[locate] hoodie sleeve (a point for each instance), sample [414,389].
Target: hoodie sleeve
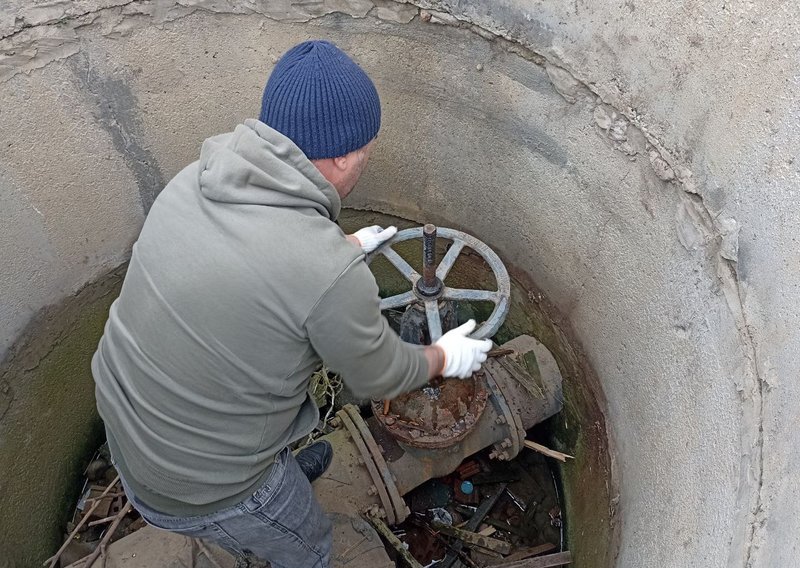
[349,333]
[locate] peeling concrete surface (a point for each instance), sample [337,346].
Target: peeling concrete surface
[637,158]
[68,212]
[117,113]
[33,36]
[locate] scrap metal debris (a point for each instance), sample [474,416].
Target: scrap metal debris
[486,513]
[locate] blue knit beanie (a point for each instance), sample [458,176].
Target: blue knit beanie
[321,100]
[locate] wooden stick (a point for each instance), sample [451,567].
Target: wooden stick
[547,451]
[549,561]
[471,539]
[533,551]
[106,537]
[500,351]
[392,539]
[386,407]
[109,496]
[102,521]
[350,549]
[103,555]
[488,531]
[53,559]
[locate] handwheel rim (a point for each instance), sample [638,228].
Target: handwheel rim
[500,297]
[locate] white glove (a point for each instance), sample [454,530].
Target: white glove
[462,355]
[374,236]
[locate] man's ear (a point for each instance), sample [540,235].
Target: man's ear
[340,162]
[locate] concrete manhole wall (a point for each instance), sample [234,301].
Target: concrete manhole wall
[634,158]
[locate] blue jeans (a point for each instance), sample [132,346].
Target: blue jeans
[281,522]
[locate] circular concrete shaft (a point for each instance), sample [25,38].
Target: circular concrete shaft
[634,159]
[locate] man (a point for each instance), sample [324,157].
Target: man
[239,284]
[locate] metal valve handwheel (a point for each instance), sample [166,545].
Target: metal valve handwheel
[429,289]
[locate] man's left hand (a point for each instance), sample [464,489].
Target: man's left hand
[370,238]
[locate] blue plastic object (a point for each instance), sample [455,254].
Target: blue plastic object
[467,488]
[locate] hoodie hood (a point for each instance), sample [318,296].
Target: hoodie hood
[256,165]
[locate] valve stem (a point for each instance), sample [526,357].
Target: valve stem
[429,285]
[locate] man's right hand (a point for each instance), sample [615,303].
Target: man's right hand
[462,354]
[370,238]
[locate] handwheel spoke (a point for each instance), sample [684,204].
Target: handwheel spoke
[398,301]
[471,295]
[400,264]
[449,260]
[434,320]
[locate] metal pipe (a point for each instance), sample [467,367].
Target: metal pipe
[516,403]
[371,470]
[508,414]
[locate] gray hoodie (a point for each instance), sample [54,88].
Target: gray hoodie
[239,284]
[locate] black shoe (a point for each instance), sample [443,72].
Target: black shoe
[315,459]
